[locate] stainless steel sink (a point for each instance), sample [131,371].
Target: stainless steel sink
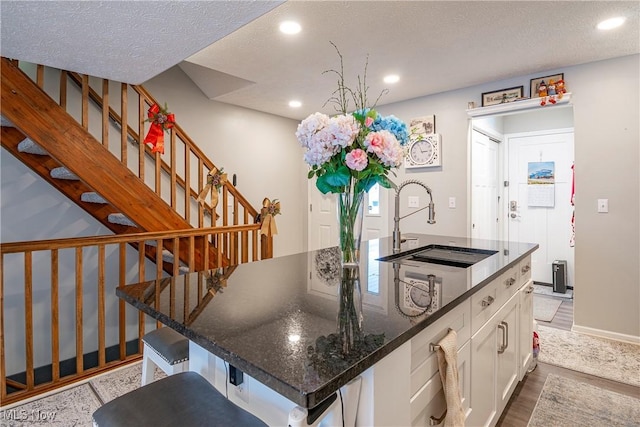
[441,254]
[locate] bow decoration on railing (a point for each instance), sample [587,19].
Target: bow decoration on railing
[160,120]
[215,179]
[267,216]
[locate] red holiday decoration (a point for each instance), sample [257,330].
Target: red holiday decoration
[161,120]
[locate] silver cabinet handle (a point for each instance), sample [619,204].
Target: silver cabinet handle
[510,281]
[529,290]
[433,421]
[505,337]
[526,269]
[488,301]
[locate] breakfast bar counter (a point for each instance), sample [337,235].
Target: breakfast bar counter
[275,319]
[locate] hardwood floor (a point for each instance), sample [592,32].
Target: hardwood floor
[525,396]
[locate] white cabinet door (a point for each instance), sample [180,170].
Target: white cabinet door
[526,328]
[484,346]
[507,352]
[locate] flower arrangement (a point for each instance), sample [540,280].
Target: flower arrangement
[356,150]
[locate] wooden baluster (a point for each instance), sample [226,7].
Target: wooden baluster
[85,102]
[3,379]
[40,76]
[158,168]
[159,261]
[187,184]
[122,317]
[225,217]
[205,251]
[55,323]
[124,123]
[176,256]
[141,278]
[254,245]
[28,316]
[105,113]
[200,187]
[141,146]
[79,332]
[63,89]
[185,303]
[174,151]
[192,254]
[101,307]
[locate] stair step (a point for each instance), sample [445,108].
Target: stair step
[5,122]
[121,219]
[93,197]
[28,146]
[63,173]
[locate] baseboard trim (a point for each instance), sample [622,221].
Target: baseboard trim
[632,339]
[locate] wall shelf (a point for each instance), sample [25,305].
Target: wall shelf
[515,106]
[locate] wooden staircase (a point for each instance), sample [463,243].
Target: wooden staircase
[105,186]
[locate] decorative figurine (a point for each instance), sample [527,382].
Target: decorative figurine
[551,90]
[560,89]
[542,93]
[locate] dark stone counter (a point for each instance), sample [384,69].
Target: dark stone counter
[273,319]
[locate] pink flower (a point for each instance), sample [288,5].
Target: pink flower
[356,160]
[368,122]
[385,146]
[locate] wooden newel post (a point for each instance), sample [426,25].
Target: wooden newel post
[266,246]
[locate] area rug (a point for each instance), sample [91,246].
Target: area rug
[566,402]
[121,381]
[72,407]
[544,308]
[601,357]
[548,290]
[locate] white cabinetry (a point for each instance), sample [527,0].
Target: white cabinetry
[526,328]
[498,349]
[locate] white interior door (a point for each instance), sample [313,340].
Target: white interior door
[541,213]
[485,195]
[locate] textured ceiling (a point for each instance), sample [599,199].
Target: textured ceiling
[130,41]
[234,52]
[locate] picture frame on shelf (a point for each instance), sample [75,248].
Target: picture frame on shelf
[535,83]
[502,96]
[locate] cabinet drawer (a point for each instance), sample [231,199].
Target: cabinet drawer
[424,362]
[484,304]
[509,283]
[524,270]
[429,400]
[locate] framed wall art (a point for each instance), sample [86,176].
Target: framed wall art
[502,96]
[535,83]
[423,125]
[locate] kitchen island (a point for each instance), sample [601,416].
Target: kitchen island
[273,320]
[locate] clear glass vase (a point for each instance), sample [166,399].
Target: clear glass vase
[350,215]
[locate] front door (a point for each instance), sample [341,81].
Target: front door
[539,207]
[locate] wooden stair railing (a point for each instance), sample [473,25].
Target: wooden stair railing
[181,153]
[117,265]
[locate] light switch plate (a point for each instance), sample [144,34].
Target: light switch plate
[414,201]
[603,205]
[452,202]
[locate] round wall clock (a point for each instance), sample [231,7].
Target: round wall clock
[424,151]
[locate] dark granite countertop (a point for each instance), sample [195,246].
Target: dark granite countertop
[265,317]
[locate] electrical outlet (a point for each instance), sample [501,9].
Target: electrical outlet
[414,201]
[452,202]
[603,205]
[242,392]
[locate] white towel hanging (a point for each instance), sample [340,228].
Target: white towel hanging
[447,352]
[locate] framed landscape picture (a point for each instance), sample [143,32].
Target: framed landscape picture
[535,83]
[502,96]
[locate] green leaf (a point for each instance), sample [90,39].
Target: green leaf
[311,174]
[324,186]
[339,178]
[385,182]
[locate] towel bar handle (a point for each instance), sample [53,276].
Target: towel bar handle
[433,421]
[435,347]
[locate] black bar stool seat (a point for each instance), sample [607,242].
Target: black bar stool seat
[185,399]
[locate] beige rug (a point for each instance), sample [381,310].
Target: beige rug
[72,407]
[601,357]
[545,308]
[566,402]
[122,381]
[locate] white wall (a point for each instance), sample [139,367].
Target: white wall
[261,149]
[606,107]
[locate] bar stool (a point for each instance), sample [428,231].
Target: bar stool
[166,349]
[185,399]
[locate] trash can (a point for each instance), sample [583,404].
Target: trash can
[559,269]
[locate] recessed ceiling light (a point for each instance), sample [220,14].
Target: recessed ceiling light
[295,104]
[290,27]
[392,78]
[612,23]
